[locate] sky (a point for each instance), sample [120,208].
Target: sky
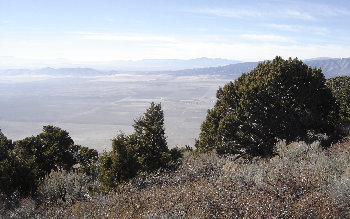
[103,30]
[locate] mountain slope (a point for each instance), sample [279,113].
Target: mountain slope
[330,67]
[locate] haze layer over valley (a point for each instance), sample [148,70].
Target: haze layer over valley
[93,108]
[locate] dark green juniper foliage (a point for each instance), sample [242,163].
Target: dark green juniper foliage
[120,164]
[340,87]
[33,168]
[279,99]
[150,138]
[145,150]
[56,143]
[25,164]
[7,163]
[46,152]
[85,157]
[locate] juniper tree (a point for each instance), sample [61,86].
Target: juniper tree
[36,156]
[145,150]
[153,151]
[340,87]
[279,99]
[6,164]
[120,164]
[85,157]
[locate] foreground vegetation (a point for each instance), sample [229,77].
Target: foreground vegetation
[302,181]
[272,146]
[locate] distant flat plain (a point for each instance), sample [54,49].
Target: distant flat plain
[94,108]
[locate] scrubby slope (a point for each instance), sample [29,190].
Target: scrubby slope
[302,181]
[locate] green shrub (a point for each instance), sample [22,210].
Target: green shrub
[6,164]
[6,147]
[279,99]
[145,150]
[25,164]
[18,171]
[150,140]
[340,87]
[118,165]
[56,144]
[50,150]
[85,158]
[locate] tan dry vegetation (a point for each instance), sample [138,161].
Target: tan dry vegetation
[302,181]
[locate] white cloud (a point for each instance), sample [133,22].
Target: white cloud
[249,51]
[270,12]
[297,28]
[268,38]
[230,13]
[298,14]
[126,37]
[283,27]
[328,10]
[259,47]
[314,11]
[302,11]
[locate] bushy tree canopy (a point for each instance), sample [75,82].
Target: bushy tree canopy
[279,99]
[24,164]
[150,139]
[5,146]
[340,87]
[120,164]
[47,151]
[85,157]
[145,150]
[6,163]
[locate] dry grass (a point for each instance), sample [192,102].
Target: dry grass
[303,181]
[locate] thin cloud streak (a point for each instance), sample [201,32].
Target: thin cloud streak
[267,38]
[126,37]
[229,13]
[244,13]
[283,27]
[328,11]
[299,15]
[310,12]
[299,28]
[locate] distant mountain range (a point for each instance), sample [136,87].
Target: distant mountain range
[171,64]
[331,67]
[9,62]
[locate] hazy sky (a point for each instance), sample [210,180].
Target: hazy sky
[100,30]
